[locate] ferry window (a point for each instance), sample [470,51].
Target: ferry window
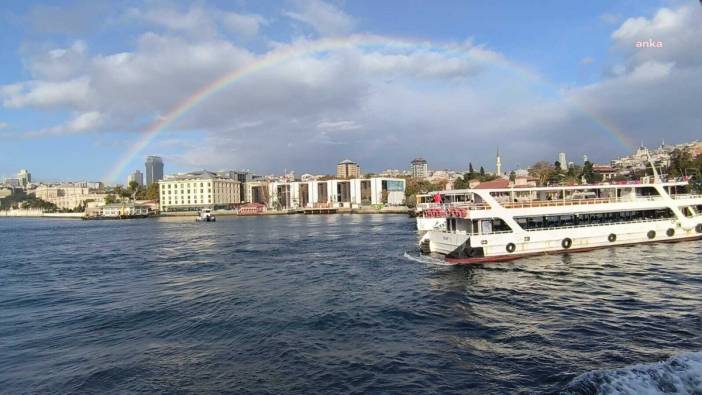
[567,220]
[486,227]
[522,222]
[499,225]
[687,211]
[552,221]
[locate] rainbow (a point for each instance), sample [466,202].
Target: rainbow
[303,48]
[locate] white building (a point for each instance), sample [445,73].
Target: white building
[196,190]
[336,193]
[24,177]
[562,160]
[419,168]
[69,196]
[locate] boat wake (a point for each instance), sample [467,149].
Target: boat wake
[681,374]
[426,259]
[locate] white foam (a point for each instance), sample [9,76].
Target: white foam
[681,374]
[426,259]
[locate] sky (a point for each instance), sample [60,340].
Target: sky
[89,88]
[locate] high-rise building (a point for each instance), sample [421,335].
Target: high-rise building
[154,169]
[419,168]
[24,178]
[137,177]
[562,161]
[348,169]
[498,164]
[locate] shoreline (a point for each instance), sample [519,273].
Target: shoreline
[387,211]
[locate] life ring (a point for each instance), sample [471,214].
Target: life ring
[651,234]
[670,232]
[566,243]
[698,228]
[511,247]
[612,237]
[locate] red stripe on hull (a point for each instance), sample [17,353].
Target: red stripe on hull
[512,257]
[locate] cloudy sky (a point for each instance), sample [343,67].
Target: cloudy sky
[87,85]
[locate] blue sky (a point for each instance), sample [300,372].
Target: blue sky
[81,81]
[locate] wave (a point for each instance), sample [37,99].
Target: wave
[426,259]
[681,374]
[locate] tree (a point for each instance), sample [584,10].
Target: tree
[541,170]
[109,199]
[133,186]
[482,172]
[152,192]
[471,172]
[589,175]
[512,176]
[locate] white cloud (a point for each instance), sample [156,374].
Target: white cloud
[246,25]
[325,18]
[47,94]
[3,125]
[378,104]
[79,123]
[587,60]
[84,122]
[338,126]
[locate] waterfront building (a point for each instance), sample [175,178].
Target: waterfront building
[242,176]
[562,161]
[116,210]
[69,196]
[137,177]
[198,190]
[154,169]
[24,177]
[348,169]
[334,193]
[419,168]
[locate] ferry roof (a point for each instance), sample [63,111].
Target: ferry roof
[557,188]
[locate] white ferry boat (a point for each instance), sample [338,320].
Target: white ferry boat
[487,225]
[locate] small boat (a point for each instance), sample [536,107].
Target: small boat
[205,215]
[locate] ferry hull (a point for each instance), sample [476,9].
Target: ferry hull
[509,246]
[512,257]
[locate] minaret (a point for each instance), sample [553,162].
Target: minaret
[498,164]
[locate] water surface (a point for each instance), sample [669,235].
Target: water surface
[333,304]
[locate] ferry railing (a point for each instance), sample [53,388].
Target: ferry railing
[445,206]
[686,196]
[576,202]
[641,221]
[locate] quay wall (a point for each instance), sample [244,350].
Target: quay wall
[37,213]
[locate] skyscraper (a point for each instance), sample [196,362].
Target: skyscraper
[498,164]
[419,168]
[562,161]
[154,169]
[137,177]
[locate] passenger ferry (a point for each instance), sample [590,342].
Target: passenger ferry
[488,225]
